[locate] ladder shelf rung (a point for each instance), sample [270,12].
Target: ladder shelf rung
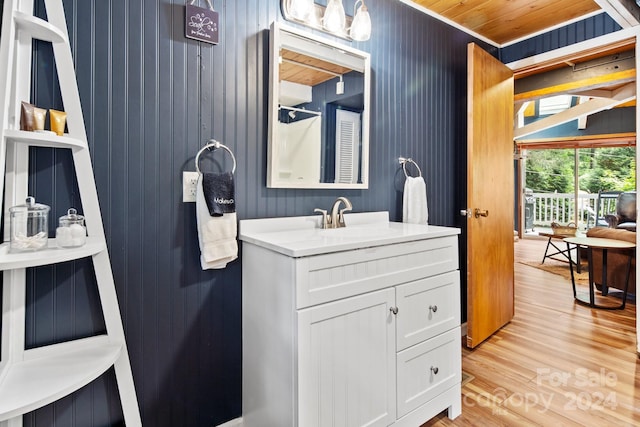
[54,372]
[51,255]
[43,139]
[39,28]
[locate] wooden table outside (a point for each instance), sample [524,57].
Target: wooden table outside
[605,244]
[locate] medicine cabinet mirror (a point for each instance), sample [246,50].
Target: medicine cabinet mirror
[318,112]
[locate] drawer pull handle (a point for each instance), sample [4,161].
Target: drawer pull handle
[433,308]
[434,369]
[394,310]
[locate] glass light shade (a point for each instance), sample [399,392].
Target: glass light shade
[334,17]
[300,9]
[361,25]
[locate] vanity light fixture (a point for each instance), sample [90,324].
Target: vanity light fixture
[301,9]
[334,18]
[361,26]
[331,19]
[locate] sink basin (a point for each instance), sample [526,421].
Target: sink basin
[302,236]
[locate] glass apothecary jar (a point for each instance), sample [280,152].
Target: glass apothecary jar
[28,226]
[71,231]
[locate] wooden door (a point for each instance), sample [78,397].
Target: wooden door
[490,195]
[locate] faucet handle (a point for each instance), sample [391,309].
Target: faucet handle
[341,217]
[326,221]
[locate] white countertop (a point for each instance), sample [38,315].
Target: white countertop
[302,236]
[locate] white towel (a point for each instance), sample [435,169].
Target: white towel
[216,234]
[414,201]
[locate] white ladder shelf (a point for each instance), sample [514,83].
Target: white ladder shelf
[32,378]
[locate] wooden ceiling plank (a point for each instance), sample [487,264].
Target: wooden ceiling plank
[503,21]
[444,7]
[515,23]
[590,107]
[485,11]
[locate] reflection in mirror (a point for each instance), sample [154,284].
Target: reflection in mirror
[319,113]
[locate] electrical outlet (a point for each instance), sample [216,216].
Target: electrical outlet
[189,185]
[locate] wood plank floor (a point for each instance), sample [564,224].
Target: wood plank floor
[556,363]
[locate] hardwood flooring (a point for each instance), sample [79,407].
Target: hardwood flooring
[556,363]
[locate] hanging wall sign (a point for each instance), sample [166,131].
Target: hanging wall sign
[201,23]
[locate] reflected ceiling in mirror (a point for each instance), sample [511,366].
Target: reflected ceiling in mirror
[318,112]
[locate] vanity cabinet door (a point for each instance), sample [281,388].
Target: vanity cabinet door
[346,362]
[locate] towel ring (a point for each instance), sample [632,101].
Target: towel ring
[215,144]
[403,161]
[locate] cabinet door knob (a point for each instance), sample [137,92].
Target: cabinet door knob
[434,369]
[433,308]
[394,310]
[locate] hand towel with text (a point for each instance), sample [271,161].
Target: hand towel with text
[217,220]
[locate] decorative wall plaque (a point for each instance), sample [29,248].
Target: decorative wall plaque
[201,23]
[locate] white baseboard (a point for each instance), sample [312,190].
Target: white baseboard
[463,329]
[233,423]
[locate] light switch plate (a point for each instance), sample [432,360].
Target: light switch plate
[189,185]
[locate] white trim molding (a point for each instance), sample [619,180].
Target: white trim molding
[233,423]
[619,11]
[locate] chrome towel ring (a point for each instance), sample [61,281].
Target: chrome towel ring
[215,144]
[403,161]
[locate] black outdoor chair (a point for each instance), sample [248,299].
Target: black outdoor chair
[626,212]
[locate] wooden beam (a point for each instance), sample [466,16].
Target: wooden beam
[592,106]
[613,79]
[626,139]
[606,71]
[595,93]
[625,12]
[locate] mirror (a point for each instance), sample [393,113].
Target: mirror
[318,112]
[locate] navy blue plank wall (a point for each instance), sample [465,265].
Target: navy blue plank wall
[151,99]
[586,29]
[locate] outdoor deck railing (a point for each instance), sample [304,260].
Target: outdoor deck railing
[560,207]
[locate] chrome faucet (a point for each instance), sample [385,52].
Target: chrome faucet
[337,215]
[336,219]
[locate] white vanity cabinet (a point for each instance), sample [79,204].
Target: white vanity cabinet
[349,327]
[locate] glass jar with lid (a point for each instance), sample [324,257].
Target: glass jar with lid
[28,226]
[71,231]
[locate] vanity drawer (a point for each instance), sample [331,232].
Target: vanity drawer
[427,307]
[417,379]
[329,277]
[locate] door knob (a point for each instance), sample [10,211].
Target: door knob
[478,213]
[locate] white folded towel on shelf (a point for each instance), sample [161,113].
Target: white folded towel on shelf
[414,201]
[216,234]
